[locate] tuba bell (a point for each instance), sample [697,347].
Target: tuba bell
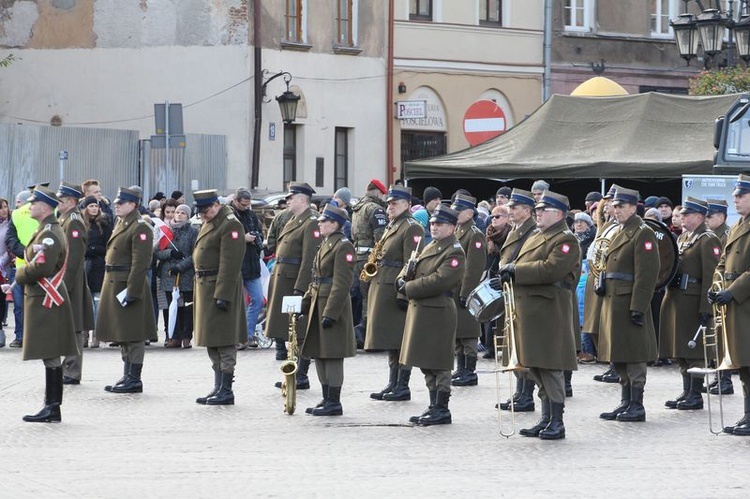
[600,248]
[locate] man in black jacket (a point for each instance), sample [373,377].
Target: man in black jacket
[241,204]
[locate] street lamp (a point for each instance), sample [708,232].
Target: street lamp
[287,105]
[708,30]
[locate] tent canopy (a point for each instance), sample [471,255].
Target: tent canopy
[648,135]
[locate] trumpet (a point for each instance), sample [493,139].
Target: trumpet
[513,364]
[711,343]
[289,369]
[370,268]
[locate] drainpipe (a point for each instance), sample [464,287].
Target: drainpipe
[389,100]
[258,94]
[547,50]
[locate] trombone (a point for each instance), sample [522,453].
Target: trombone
[508,338]
[711,345]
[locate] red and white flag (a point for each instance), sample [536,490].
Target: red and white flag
[162,234]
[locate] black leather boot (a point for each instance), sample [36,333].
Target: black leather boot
[392,379]
[525,402]
[401,392]
[225,395]
[741,427]
[309,410]
[125,371]
[469,377]
[694,400]
[331,405]
[519,390]
[53,389]
[672,404]
[132,383]
[360,333]
[281,351]
[725,383]
[635,411]
[555,430]
[217,385]
[624,403]
[433,399]
[460,366]
[568,384]
[303,366]
[608,376]
[440,414]
[541,424]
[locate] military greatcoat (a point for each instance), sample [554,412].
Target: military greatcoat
[680,311]
[333,273]
[515,240]
[473,242]
[81,302]
[547,271]
[47,332]
[219,251]
[430,331]
[128,260]
[295,249]
[723,232]
[592,306]
[734,265]
[633,258]
[385,319]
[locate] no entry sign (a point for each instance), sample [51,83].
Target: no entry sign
[483,121]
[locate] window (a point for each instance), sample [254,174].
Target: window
[341,159]
[290,154]
[662,11]
[578,15]
[420,10]
[295,21]
[490,12]
[344,21]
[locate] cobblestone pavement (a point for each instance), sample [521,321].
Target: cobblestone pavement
[161,444]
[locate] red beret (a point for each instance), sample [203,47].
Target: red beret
[377,184]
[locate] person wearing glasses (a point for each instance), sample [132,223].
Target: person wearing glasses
[496,234]
[220,322]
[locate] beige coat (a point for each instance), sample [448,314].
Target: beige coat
[81,302]
[220,247]
[385,319]
[328,295]
[131,247]
[474,244]
[546,275]
[430,331]
[47,332]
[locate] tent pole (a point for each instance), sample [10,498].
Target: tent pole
[601,187]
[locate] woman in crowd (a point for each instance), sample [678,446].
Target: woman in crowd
[100,229]
[5,261]
[497,232]
[176,262]
[159,291]
[585,232]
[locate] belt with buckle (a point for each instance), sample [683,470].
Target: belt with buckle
[117,268]
[206,273]
[289,260]
[391,263]
[317,281]
[619,276]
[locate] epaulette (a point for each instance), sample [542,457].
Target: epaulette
[314,217]
[477,229]
[413,221]
[535,230]
[457,245]
[74,216]
[643,226]
[568,232]
[231,217]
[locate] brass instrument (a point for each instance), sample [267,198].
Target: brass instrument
[512,364]
[370,269]
[600,248]
[711,351]
[289,369]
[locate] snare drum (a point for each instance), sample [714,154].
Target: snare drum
[484,303]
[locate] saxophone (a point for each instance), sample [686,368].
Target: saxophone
[289,369]
[370,269]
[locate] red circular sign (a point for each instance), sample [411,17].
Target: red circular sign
[484,120]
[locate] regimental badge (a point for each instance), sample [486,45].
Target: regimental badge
[143,237]
[349,257]
[74,234]
[316,234]
[454,263]
[717,251]
[648,245]
[566,248]
[478,244]
[235,234]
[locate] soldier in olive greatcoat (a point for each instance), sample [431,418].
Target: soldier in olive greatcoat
[544,276]
[626,334]
[329,336]
[386,311]
[219,309]
[430,332]
[126,311]
[685,308]
[296,246]
[735,298]
[468,330]
[81,302]
[48,319]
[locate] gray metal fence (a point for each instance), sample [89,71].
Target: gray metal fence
[30,154]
